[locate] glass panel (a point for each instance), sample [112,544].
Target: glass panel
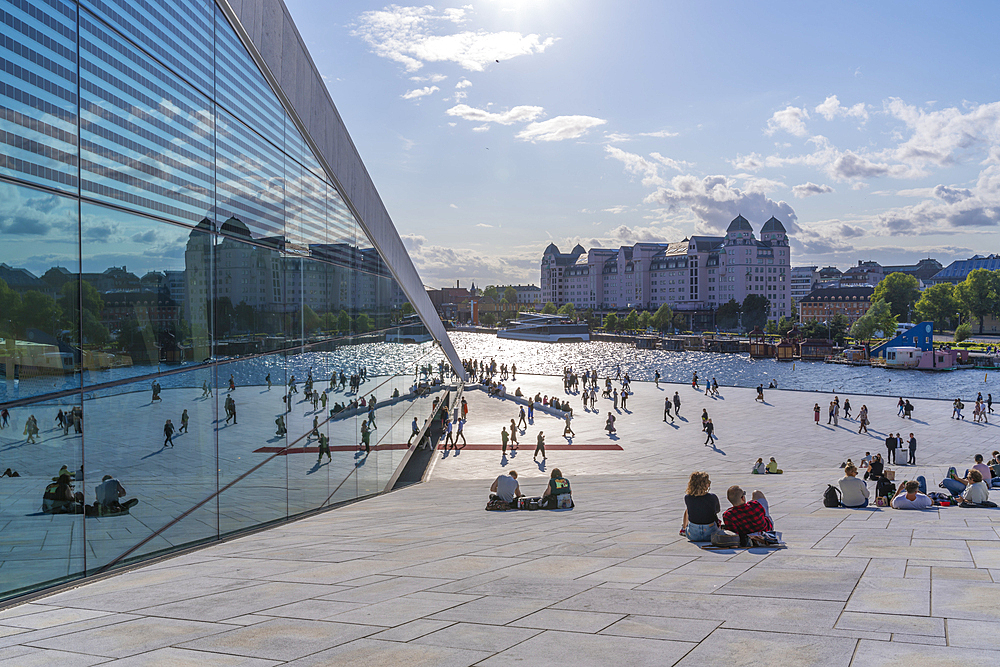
[137,274]
[39,307]
[249,185]
[165,461]
[41,516]
[38,92]
[179,34]
[146,136]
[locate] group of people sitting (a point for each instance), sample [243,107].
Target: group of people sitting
[769,468]
[701,516]
[60,498]
[557,494]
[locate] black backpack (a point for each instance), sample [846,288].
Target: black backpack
[831,497]
[885,487]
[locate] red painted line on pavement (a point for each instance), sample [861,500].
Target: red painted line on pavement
[282,451]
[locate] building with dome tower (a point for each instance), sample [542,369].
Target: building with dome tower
[693,276]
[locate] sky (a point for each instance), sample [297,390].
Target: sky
[871,130]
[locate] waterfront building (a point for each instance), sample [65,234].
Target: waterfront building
[802,281]
[822,304]
[181,203]
[958,270]
[923,270]
[865,273]
[528,296]
[693,276]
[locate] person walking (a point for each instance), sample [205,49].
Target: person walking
[704,419]
[900,405]
[168,433]
[206,391]
[4,417]
[710,430]
[624,399]
[760,393]
[836,413]
[504,437]
[280,423]
[816,413]
[913,451]
[847,408]
[656,380]
[989,403]
[708,386]
[531,411]
[460,433]
[677,404]
[267,379]
[521,419]
[447,438]
[366,435]
[232,383]
[666,409]
[414,430]
[956,409]
[513,434]
[567,428]
[863,419]
[609,424]
[324,448]
[615,397]
[184,422]
[831,413]
[540,445]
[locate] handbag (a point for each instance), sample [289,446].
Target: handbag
[725,538]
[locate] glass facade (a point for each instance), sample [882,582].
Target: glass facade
[177,272]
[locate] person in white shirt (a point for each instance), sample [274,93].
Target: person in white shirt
[854,491]
[506,487]
[976,492]
[908,497]
[866,460]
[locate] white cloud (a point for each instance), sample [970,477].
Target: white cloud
[559,128]
[464,83]
[621,208]
[751,162]
[432,78]
[662,134]
[419,92]
[452,206]
[809,189]
[484,225]
[481,128]
[413,36]
[640,166]
[715,201]
[518,114]
[832,108]
[945,136]
[617,137]
[791,120]
[442,265]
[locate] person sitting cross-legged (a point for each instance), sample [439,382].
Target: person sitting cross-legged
[506,488]
[854,491]
[744,518]
[976,493]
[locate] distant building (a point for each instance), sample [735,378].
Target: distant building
[865,273]
[957,271]
[693,276]
[822,304]
[923,270]
[451,303]
[527,295]
[803,279]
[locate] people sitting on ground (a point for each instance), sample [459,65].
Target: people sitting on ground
[866,460]
[976,493]
[59,497]
[557,494]
[108,493]
[853,491]
[875,468]
[506,488]
[956,485]
[701,514]
[908,497]
[9,473]
[517,393]
[745,518]
[759,468]
[772,467]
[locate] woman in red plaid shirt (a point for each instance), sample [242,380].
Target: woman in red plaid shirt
[745,517]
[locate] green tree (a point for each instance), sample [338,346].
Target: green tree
[610,322]
[771,327]
[663,317]
[727,315]
[549,309]
[363,323]
[511,295]
[407,309]
[978,294]
[310,320]
[962,332]
[756,308]
[900,291]
[329,321]
[680,321]
[937,304]
[569,310]
[879,318]
[10,308]
[784,326]
[631,321]
[644,319]
[488,319]
[838,328]
[491,293]
[39,311]
[344,322]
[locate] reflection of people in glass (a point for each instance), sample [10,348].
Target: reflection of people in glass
[280,423]
[4,416]
[324,447]
[168,433]
[156,392]
[184,422]
[59,497]
[31,429]
[108,492]
[365,437]
[206,391]
[267,379]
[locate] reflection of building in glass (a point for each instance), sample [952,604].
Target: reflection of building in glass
[180,204]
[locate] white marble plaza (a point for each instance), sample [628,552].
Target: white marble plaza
[425,576]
